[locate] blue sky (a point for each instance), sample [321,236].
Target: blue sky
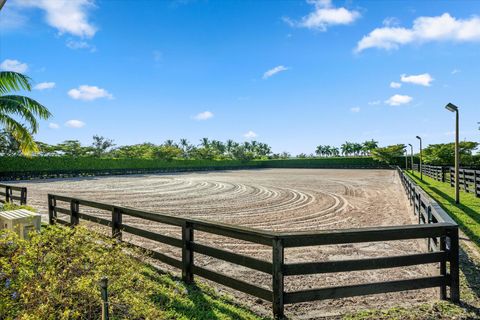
[294,74]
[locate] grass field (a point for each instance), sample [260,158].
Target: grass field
[466,214]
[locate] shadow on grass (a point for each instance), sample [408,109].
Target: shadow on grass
[192,301]
[469,211]
[471,271]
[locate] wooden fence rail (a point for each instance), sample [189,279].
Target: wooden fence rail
[440,226]
[435,172]
[10,196]
[468,180]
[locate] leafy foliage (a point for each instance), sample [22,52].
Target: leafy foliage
[56,275]
[388,154]
[444,153]
[13,107]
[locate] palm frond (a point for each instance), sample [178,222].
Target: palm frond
[20,133]
[13,81]
[25,107]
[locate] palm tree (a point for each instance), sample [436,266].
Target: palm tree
[204,142]
[25,108]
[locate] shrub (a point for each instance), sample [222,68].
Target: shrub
[56,275]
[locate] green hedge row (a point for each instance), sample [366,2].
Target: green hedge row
[12,168]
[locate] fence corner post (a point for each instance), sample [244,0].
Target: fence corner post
[277,278]
[187,252]
[454,265]
[52,216]
[117,223]
[23,196]
[74,213]
[8,194]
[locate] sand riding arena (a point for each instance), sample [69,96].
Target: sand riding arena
[269,199]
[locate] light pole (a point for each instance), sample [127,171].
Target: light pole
[411,156]
[406,158]
[421,172]
[453,108]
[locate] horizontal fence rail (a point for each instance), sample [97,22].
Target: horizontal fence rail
[468,180]
[435,172]
[439,227]
[12,193]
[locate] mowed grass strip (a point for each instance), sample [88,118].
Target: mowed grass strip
[466,213]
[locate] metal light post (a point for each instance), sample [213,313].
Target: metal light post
[453,108]
[411,156]
[421,172]
[406,158]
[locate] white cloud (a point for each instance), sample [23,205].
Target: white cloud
[324,15]
[355,109]
[395,85]
[424,29]
[423,79]
[53,125]
[205,115]
[374,103]
[88,93]
[274,71]
[250,134]
[13,65]
[67,16]
[75,124]
[398,99]
[455,71]
[44,85]
[75,45]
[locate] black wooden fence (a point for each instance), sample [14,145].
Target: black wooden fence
[8,192]
[439,227]
[435,172]
[468,180]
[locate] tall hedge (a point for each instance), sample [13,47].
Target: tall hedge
[37,167]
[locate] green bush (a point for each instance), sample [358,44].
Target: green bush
[56,275]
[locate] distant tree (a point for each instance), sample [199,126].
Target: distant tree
[389,153]
[137,151]
[72,148]
[167,152]
[444,153]
[101,145]
[369,146]
[301,156]
[204,142]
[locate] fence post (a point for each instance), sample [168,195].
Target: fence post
[451,177]
[454,265]
[187,252]
[475,191]
[104,292]
[277,278]
[8,193]
[74,211]
[52,214]
[23,196]
[443,269]
[117,223]
[429,220]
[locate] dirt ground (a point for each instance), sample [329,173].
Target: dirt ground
[271,199]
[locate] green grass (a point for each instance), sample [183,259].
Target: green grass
[466,214]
